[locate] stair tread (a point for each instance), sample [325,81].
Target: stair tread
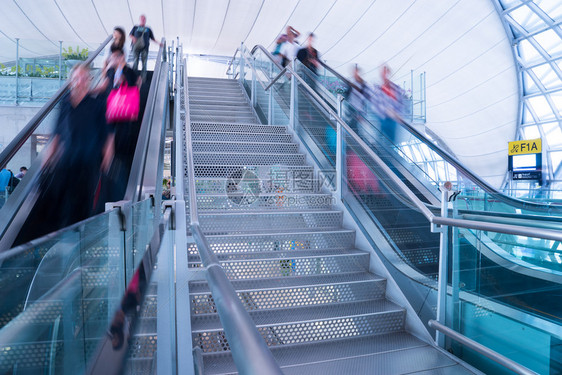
[295,354]
[211,322]
[243,285]
[211,236]
[284,255]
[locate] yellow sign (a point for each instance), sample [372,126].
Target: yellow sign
[532,146]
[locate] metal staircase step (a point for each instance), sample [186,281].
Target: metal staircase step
[247,158]
[242,243]
[275,293]
[256,222]
[324,351]
[287,148]
[207,79]
[307,324]
[217,107]
[299,263]
[239,97]
[240,137]
[272,184]
[240,201]
[377,354]
[237,127]
[264,172]
[213,101]
[223,112]
[250,118]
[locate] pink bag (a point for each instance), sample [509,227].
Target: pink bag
[123,104]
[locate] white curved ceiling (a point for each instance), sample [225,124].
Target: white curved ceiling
[472,91]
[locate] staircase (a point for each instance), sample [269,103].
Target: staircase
[291,261]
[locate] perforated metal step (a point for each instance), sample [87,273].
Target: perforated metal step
[224,118]
[245,147]
[254,222]
[302,174]
[242,243]
[247,159]
[275,293]
[241,201]
[218,136]
[307,324]
[274,184]
[237,127]
[299,263]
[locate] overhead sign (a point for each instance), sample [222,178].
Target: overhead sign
[532,146]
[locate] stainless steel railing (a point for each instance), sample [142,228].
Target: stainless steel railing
[249,351]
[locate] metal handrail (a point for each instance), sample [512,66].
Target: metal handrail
[433,219]
[134,184]
[476,346]
[249,351]
[35,121]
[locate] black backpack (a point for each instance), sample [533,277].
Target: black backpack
[12,183]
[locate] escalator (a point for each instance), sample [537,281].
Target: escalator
[61,290]
[490,271]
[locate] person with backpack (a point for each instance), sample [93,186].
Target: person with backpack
[141,35]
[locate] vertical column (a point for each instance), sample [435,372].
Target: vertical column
[60,62]
[413,96]
[339,150]
[253,86]
[17,68]
[293,102]
[270,97]
[443,263]
[242,64]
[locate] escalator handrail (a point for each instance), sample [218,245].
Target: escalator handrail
[249,351]
[18,141]
[455,162]
[136,175]
[421,206]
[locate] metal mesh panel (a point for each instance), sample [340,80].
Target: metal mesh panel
[273,184]
[248,128]
[257,299]
[278,242]
[266,202]
[250,222]
[226,118]
[299,332]
[236,270]
[28,356]
[245,147]
[248,159]
[143,346]
[262,172]
[241,137]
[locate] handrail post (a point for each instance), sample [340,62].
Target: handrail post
[270,98]
[443,263]
[293,101]
[17,68]
[253,87]
[339,150]
[242,63]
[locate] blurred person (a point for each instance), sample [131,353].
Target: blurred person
[356,96]
[290,47]
[141,35]
[5,177]
[391,104]
[80,149]
[278,43]
[119,75]
[118,43]
[308,56]
[23,171]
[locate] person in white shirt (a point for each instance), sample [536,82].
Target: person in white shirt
[290,48]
